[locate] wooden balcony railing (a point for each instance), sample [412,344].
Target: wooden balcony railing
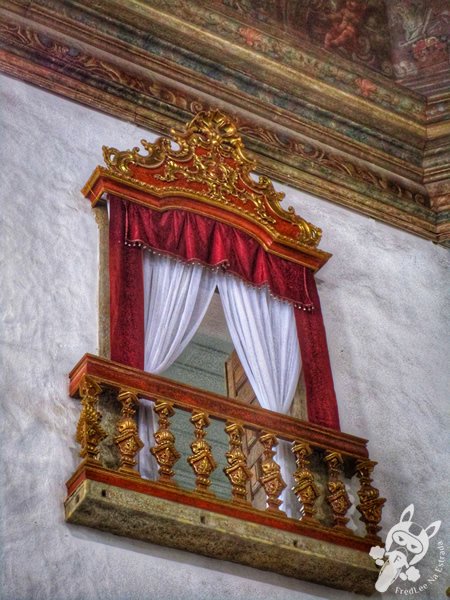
[107,491]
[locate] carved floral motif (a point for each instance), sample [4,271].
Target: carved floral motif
[211,153]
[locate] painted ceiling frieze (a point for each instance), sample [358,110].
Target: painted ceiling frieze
[354,29]
[400,38]
[331,68]
[420,33]
[293,55]
[61,57]
[313,159]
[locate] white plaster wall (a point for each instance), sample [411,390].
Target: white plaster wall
[383,295]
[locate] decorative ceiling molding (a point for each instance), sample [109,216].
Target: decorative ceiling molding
[335,129]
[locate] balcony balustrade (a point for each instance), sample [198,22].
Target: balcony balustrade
[108,493]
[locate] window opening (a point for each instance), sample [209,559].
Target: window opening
[210,362]
[202,365]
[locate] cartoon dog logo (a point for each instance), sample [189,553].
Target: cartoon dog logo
[406,544]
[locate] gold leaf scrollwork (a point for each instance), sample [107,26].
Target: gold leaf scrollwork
[211,154]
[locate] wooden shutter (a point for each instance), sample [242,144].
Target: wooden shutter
[238,386]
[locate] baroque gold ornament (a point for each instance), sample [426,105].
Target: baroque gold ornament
[337,498]
[127,438]
[164,451]
[238,472]
[210,165]
[371,505]
[201,461]
[271,479]
[305,488]
[89,431]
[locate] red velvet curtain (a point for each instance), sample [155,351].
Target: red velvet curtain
[196,238]
[126,292]
[320,394]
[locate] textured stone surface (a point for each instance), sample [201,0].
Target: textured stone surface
[147,518]
[383,295]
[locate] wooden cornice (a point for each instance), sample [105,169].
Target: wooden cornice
[313,120]
[205,169]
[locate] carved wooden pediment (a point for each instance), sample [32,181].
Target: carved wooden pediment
[205,169]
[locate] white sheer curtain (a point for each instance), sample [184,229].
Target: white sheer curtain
[176,297]
[265,337]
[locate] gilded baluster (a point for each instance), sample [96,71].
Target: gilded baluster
[164,451]
[337,498]
[271,478]
[127,438]
[201,461]
[238,473]
[371,505]
[89,431]
[305,488]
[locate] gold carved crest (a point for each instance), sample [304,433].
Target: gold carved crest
[208,163]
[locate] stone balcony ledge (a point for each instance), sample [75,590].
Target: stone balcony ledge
[106,492]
